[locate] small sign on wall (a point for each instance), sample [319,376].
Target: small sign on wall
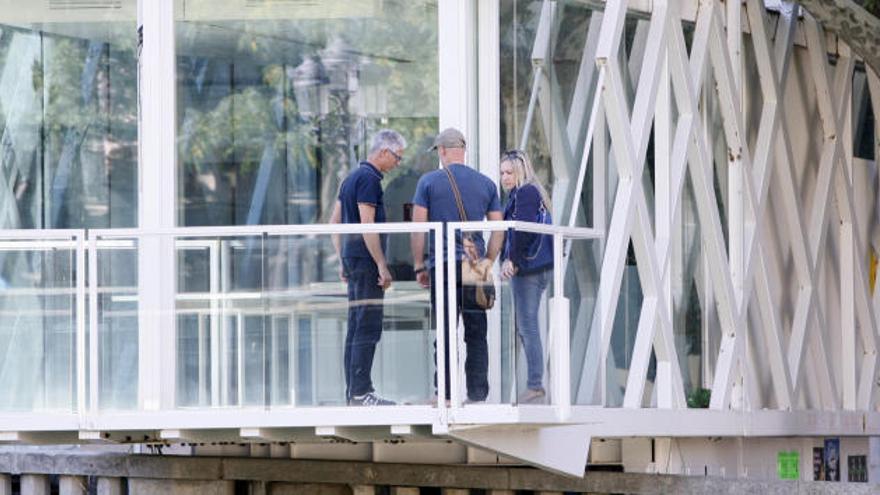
[818,463]
[832,459]
[788,465]
[857,468]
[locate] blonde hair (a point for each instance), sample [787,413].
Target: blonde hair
[525,173]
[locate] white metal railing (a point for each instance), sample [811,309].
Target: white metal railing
[557,352]
[211,307]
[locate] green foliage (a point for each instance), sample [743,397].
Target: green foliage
[699,398]
[872,6]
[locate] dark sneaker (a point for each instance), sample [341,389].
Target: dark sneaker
[370,399]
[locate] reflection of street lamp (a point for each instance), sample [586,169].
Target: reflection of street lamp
[331,88]
[309,82]
[371,97]
[341,65]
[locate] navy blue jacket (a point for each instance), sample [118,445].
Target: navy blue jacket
[529,252]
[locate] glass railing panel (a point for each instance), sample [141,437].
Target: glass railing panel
[580,279]
[348,337]
[114,354]
[539,329]
[529,281]
[265,320]
[38,324]
[221,323]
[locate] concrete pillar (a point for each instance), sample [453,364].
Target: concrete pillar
[309,489]
[109,486]
[363,490]
[144,486]
[258,488]
[73,485]
[404,490]
[35,484]
[259,449]
[5,484]
[277,450]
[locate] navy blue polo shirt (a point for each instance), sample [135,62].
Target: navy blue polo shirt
[363,185]
[478,193]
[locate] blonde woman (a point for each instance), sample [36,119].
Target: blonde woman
[527,262]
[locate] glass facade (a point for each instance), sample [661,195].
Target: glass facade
[68,107]
[68,160]
[277,103]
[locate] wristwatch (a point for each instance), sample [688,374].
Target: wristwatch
[420,270]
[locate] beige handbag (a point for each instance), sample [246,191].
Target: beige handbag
[476,270]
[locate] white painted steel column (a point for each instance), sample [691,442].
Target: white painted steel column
[664,215]
[736,201]
[561,339]
[456,59]
[847,259]
[157,208]
[81,352]
[488,45]
[488,148]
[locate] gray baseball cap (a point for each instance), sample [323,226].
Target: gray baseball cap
[449,138]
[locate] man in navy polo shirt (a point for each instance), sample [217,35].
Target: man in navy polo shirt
[434,201]
[363,264]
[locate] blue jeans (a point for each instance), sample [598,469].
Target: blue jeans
[527,292]
[476,365]
[365,314]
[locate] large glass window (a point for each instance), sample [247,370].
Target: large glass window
[277,101]
[68,111]
[68,159]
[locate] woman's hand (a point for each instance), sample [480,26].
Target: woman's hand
[507,270]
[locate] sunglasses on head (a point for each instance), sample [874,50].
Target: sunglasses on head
[517,154]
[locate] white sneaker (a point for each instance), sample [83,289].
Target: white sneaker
[370,399]
[532,396]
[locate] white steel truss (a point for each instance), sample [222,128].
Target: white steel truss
[743,282]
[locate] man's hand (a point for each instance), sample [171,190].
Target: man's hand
[342,276]
[384,277]
[507,270]
[424,279]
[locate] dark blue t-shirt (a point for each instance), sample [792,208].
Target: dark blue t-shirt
[363,185]
[478,193]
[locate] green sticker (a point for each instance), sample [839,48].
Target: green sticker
[788,465]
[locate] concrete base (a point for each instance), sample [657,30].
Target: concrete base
[308,489]
[179,487]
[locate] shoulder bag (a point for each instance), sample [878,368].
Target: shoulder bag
[476,270]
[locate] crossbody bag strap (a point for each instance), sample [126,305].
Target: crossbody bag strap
[455,191]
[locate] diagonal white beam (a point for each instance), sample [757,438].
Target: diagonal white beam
[630,146]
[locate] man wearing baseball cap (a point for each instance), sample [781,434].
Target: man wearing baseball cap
[435,201]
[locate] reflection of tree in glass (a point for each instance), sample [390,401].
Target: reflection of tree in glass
[241,122]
